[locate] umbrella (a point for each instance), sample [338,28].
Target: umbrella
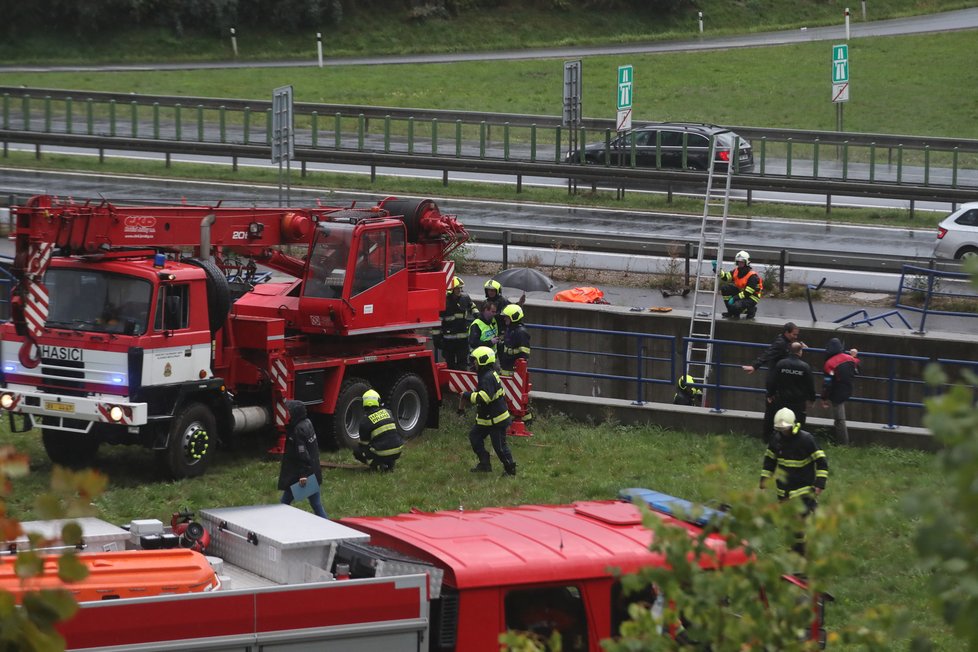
[524,278]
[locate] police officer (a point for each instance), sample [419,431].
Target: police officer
[484,330]
[792,385]
[380,442]
[686,394]
[741,289]
[456,318]
[492,416]
[515,342]
[804,469]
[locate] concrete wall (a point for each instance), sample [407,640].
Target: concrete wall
[614,356]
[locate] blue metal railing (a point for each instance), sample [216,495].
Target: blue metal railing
[929,284]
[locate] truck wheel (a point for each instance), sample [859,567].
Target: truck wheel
[218,292]
[191,444]
[349,410]
[407,400]
[70,449]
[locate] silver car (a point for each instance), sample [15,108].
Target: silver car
[957,234]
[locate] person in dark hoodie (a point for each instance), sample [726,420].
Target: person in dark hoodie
[841,367]
[300,462]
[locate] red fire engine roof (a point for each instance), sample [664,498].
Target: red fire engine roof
[528,544]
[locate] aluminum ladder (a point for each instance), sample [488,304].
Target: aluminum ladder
[706,285]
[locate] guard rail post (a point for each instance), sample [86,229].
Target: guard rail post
[434,136]
[763,154]
[815,159]
[482,139]
[361,131]
[533,143]
[222,123]
[927,298]
[845,161]
[607,148]
[557,135]
[177,123]
[25,112]
[69,127]
[47,114]
[387,134]
[639,372]
[782,263]
[954,168]
[872,162]
[410,135]
[506,141]
[6,110]
[200,123]
[337,131]
[507,238]
[134,118]
[268,127]
[926,165]
[689,253]
[458,139]
[788,162]
[246,127]
[314,118]
[899,164]
[112,104]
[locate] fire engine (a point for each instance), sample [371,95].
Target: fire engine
[281,578]
[124,328]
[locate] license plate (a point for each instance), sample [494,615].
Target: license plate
[59,407]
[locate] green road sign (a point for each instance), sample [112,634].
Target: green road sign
[840,64]
[624,87]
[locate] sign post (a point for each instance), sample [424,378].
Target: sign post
[283,136]
[624,99]
[572,111]
[840,80]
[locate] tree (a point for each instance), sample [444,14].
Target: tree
[30,626]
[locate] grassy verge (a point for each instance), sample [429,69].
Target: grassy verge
[460,189]
[564,461]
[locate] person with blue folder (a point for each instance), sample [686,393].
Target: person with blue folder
[300,475]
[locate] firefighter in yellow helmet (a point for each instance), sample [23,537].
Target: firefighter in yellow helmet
[451,338]
[380,441]
[686,393]
[741,289]
[515,342]
[494,293]
[492,415]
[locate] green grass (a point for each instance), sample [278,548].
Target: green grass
[564,461]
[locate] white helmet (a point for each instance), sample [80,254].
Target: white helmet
[742,255]
[784,419]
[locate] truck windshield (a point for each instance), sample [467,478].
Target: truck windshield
[328,260]
[90,300]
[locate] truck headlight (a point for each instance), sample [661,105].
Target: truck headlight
[116,413]
[7,400]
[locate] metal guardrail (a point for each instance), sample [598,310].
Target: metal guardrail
[630,178]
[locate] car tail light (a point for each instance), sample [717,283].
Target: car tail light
[723,155]
[941,232]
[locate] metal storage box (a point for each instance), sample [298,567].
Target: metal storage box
[278,542]
[97,535]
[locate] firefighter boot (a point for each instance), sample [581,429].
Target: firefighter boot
[483,466]
[510,468]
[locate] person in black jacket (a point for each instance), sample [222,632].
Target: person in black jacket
[458,314]
[491,416]
[792,385]
[770,357]
[380,442]
[494,294]
[841,367]
[686,392]
[301,458]
[804,469]
[516,339]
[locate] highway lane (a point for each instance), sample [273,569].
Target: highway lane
[769,232]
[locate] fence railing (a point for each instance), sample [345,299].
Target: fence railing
[936,292]
[898,159]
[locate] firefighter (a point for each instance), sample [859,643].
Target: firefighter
[741,289]
[494,293]
[515,343]
[800,463]
[484,330]
[380,442]
[458,314]
[686,393]
[492,416]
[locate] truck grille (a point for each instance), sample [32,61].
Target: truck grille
[58,376]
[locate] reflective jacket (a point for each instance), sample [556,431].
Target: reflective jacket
[456,317]
[483,334]
[747,281]
[803,463]
[378,432]
[489,398]
[515,345]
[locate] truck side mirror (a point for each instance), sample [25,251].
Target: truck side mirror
[172,313]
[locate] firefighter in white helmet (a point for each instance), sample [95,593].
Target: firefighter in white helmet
[800,464]
[741,289]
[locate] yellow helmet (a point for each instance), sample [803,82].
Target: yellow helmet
[456,283]
[514,312]
[483,356]
[371,398]
[492,285]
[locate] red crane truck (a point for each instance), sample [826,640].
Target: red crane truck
[125,330]
[435,581]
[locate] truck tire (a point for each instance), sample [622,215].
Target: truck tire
[218,293]
[191,443]
[70,449]
[407,399]
[411,211]
[349,410]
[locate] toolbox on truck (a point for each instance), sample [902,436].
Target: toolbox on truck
[279,542]
[97,535]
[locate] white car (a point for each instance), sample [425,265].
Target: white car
[957,234]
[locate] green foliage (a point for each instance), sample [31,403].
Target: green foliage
[31,625]
[947,534]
